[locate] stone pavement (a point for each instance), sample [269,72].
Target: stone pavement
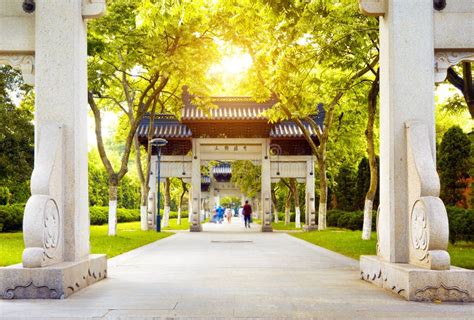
[232,272]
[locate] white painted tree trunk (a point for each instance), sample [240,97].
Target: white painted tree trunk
[297,217]
[166,217]
[322,210]
[112,217]
[275,212]
[367,227]
[179,216]
[143,218]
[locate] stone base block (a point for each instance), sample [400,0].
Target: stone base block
[53,282]
[418,284]
[267,228]
[310,228]
[195,228]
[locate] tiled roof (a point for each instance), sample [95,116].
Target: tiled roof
[222,168]
[166,126]
[245,111]
[289,129]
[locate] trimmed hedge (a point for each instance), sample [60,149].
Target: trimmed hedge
[348,220]
[99,215]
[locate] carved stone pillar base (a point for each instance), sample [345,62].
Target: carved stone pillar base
[418,284]
[53,282]
[195,228]
[312,227]
[267,228]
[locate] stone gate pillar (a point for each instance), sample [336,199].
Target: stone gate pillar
[152,183]
[195,211]
[266,191]
[412,225]
[56,260]
[310,206]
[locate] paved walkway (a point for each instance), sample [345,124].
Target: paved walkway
[232,272]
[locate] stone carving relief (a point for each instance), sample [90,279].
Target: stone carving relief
[444,60]
[442,293]
[428,220]
[23,63]
[42,224]
[29,291]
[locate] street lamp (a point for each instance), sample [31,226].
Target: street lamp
[158,143]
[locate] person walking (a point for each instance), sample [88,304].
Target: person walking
[247,212]
[228,214]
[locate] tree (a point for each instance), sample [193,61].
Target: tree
[247,177]
[346,188]
[16,136]
[454,164]
[141,53]
[301,64]
[166,202]
[369,133]
[464,83]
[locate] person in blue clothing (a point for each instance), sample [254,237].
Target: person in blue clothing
[220,214]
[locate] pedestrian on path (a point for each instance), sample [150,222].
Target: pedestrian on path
[228,214]
[247,212]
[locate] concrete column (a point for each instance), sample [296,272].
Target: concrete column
[196,187]
[406,49]
[266,193]
[310,208]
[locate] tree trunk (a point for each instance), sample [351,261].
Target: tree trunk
[167,203]
[296,199]
[369,133]
[144,207]
[465,84]
[323,194]
[275,208]
[113,187]
[287,208]
[180,206]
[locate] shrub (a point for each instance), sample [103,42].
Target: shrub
[461,224]
[453,165]
[99,215]
[11,217]
[4,196]
[348,220]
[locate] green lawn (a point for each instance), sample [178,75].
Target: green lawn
[349,243]
[173,224]
[281,226]
[129,237]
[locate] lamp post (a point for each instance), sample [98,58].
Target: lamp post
[158,143]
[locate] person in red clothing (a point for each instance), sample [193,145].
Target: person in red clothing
[247,212]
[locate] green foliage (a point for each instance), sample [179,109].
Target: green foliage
[363,184]
[247,177]
[128,194]
[16,136]
[345,188]
[461,224]
[348,220]
[4,195]
[454,163]
[11,217]
[99,215]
